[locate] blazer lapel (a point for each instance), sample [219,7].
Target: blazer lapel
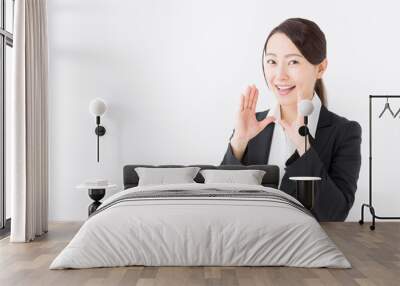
[269,131]
[260,148]
[322,134]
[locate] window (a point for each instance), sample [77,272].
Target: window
[6,44]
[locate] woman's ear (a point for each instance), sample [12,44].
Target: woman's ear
[321,68]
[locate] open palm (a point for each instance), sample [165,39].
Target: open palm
[247,125]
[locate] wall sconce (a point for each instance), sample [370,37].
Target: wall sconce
[97,108]
[306,187]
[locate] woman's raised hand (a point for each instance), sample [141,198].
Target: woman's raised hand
[247,125]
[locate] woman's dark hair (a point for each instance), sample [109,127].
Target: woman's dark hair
[311,42]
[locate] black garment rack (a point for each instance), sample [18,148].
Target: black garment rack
[369,205]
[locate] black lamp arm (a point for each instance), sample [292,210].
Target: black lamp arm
[99,131]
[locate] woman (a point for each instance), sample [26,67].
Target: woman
[294,61]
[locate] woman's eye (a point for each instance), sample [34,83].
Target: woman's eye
[270,62]
[293,62]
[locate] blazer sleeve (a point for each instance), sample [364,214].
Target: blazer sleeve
[335,195]
[229,157]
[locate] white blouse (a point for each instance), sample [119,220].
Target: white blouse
[281,145]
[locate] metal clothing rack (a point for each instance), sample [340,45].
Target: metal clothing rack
[369,205]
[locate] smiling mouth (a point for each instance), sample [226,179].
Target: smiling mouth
[284,90]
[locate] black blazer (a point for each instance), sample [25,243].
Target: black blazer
[334,155]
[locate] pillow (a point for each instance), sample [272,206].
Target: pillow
[162,176]
[249,177]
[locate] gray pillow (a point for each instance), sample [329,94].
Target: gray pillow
[162,176]
[249,177]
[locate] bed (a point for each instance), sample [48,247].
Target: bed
[201,224]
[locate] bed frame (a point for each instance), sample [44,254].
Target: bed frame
[270,179]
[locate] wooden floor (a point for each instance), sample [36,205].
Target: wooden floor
[374,255]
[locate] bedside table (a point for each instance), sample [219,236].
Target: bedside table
[96,193]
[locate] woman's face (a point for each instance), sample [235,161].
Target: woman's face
[288,72]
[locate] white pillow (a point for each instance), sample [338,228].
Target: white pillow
[163,176]
[249,177]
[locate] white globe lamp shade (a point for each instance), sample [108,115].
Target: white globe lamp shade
[305,107]
[97,107]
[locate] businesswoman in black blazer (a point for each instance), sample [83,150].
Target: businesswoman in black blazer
[293,61]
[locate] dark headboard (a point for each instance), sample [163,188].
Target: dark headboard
[270,179]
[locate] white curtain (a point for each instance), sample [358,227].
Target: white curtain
[29,124]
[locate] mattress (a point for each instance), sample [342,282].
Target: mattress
[201,225]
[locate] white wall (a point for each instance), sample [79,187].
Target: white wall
[172,72]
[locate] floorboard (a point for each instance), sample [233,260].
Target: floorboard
[374,255]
